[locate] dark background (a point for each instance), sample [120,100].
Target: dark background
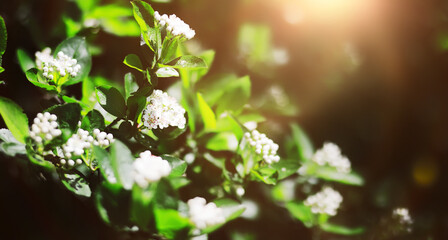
[387,109]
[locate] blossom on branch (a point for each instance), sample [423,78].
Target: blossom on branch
[163,111]
[149,168]
[54,68]
[204,215]
[262,145]
[326,201]
[174,25]
[45,127]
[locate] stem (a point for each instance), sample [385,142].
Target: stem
[113,123]
[316,233]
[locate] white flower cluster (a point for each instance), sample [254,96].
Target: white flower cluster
[326,201]
[174,25]
[45,127]
[102,139]
[331,154]
[59,66]
[263,146]
[163,111]
[403,215]
[149,168]
[204,215]
[77,143]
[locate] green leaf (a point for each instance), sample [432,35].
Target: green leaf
[25,61]
[301,212]
[68,115]
[187,61]
[191,76]
[231,210]
[111,100]
[179,182]
[136,104]
[121,162]
[142,209]
[331,174]
[9,145]
[169,222]
[237,89]
[333,228]
[169,50]
[166,195]
[93,120]
[3,36]
[144,15]
[113,204]
[72,27]
[225,141]
[286,167]
[228,124]
[130,84]
[167,72]
[284,191]
[133,61]
[266,174]
[76,47]
[76,184]
[86,5]
[178,167]
[15,119]
[303,144]
[33,75]
[105,165]
[208,116]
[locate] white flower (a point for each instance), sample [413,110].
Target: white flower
[76,144]
[56,67]
[175,25]
[102,139]
[263,146]
[204,215]
[403,215]
[43,57]
[163,111]
[45,127]
[149,168]
[326,201]
[331,154]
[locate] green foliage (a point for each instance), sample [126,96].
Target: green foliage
[301,212]
[68,115]
[332,228]
[133,61]
[76,48]
[111,100]
[15,119]
[3,36]
[35,77]
[9,145]
[189,62]
[144,15]
[302,143]
[3,40]
[209,156]
[178,167]
[76,184]
[208,116]
[93,120]
[121,160]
